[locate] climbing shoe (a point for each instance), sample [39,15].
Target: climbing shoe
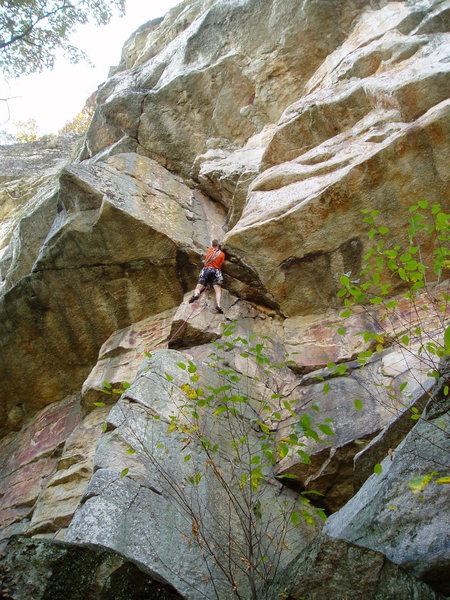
[193,298]
[219,309]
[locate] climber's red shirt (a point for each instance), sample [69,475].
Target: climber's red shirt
[217,256]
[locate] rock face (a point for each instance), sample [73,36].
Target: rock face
[382,514]
[143,518]
[126,240]
[28,179]
[340,569]
[42,569]
[268,125]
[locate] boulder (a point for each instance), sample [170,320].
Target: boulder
[126,243]
[391,513]
[201,80]
[146,504]
[391,435]
[339,569]
[302,222]
[121,356]
[63,490]
[47,569]
[268,125]
[30,458]
[46,467]
[28,187]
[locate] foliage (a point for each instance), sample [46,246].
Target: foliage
[417,323]
[80,122]
[32,32]
[225,422]
[26,131]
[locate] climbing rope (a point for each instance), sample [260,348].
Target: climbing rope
[184,323]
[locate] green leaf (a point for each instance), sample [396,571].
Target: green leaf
[257,510]
[411,265]
[269,455]
[283,449]
[295,518]
[447,340]
[192,368]
[220,409]
[402,387]
[168,377]
[181,365]
[308,517]
[423,204]
[418,484]
[187,458]
[124,472]
[263,427]
[131,450]
[255,460]
[148,355]
[126,385]
[321,514]
[326,429]
[107,385]
[104,427]
[378,469]
[442,480]
[305,456]
[358,404]
[341,369]
[383,229]
[305,421]
[99,404]
[326,389]
[405,340]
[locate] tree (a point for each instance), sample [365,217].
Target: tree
[222,423]
[26,131]
[31,32]
[226,418]
[79,124]
[416,323]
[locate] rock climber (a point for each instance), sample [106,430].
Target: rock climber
[211,274]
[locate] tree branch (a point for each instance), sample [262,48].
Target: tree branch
[22,36]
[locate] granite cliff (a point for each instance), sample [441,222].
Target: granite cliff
[269,124]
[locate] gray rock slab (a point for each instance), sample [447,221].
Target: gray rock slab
[411,529]
[151,514]
[41,569]
[337,569]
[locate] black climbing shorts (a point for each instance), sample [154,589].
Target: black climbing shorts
[210,276]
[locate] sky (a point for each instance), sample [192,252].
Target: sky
[54,97]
